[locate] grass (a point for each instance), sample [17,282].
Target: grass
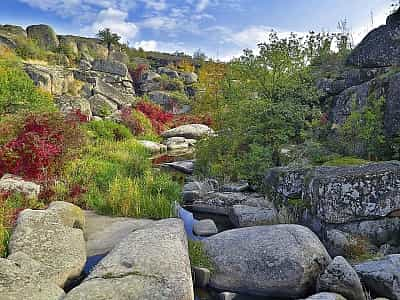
[359,250]
[198,257]
[119,180]
[345,161]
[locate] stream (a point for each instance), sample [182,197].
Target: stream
[187,217]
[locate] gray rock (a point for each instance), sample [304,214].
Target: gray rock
[247,216]
[205,228]
[67,104]
[184,166]
[201,277]
[14,184]
[191,131]
[326,296]
[102,106]
[339,195]
[221,203]
[85,65]
[53,79]
[169,72]
[236,187]
[170,102]
[69,214]
[113,94]
[150,76]
[379,48]
[59,249]
[103,233]
[198,189]
[110,66]
[44,35]
[20,278]
[153,147]
[388,249]
[282,261]
[176,143]
[189,77]
[340,277]
[381,276]
[337,242]
[150,263]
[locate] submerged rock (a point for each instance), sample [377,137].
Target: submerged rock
[282,261]
[150,263]
[205,228]
[184,166]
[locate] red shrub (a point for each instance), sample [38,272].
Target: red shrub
[158,117]
[130,121]
[40,147]
[192,119]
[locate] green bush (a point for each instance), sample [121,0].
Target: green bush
[17,91]
[117,178]
[29,49]
[346,161]
[108,130]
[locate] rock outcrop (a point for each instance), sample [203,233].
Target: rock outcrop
[282,261]
[359,200]
[150,263]
[191,131]
[44,35]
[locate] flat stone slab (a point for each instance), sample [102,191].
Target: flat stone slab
[247,216]
[103,233]
[185,166]
[150,263]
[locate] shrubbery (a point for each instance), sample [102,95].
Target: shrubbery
[17,91]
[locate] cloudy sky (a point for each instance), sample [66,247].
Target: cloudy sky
[220,28]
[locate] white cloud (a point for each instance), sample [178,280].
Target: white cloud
[160,22]
[202,5]
[150,45]
[156,4]
[116,20]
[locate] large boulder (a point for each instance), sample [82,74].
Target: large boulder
[14,184]
[20,278]
[44,35]
[338,195]
[247,216]
[150,263]
[382,276]
[103,233]
[153,147]
[113,93]
[69,214]
[191,131]
[110,66]
[380,47]
[340,277]
[169,72]
[189,77]
[102,106]
[282,261]
[59,249]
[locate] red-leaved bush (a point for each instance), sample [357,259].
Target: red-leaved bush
[158,117]
[41,146]
[130,121]
[192,119]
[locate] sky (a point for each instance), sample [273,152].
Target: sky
[219,28]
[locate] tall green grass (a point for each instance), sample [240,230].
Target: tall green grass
[118,180]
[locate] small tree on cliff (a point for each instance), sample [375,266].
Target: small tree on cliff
[108,38]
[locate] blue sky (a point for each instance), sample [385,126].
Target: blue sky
[220,28]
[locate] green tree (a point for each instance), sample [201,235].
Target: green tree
[108,38]
[267,101]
